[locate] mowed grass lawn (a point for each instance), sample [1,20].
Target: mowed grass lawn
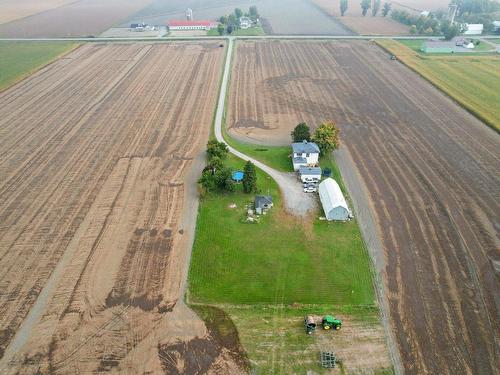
[281,260]
[19,59]
[473,81]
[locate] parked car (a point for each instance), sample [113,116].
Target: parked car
[310,188]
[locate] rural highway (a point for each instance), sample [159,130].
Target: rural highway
[166,39]
[296,201]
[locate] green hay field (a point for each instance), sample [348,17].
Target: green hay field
[20,59]
[473,81]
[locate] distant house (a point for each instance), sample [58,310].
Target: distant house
[438,46]
[305,154]
[496,27]
[138,26]
[473,29]
[176,25]
[310,174]
[333,201]
[245,22]
[263,203]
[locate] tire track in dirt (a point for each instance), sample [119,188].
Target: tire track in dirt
[114,111]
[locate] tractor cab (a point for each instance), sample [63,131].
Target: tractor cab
[310,324]
[329,322]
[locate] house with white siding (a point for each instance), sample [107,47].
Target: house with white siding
[305,154]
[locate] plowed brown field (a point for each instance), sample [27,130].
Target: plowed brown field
[68,19]
[94,153]
[432,173]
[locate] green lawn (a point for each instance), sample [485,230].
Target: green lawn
[19,59]
[280,260]
[472,80]
[252,31]
[494,40]
[415,45]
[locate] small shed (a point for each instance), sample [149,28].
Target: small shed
[310,174]
[333,201]
[263,203]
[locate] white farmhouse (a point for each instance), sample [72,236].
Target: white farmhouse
[310,174]
[333,201]
[245,23]
[305,154]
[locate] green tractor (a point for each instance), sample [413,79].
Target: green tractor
[329,322]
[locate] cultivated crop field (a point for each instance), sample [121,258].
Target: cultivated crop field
[473,81]
[14,9]
[431,172]
[65,18]
[367,25]
[95,157]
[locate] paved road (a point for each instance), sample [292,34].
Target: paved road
[296,201]
[166,39]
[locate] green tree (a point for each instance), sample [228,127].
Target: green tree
[386,9]
[413,29]
[221,29]
[230,29]
[217,149]
[376,7]
[223,20]
[327,137]
[208,180]
[215,163]
[250,178]
[232,20]
[238,13]
[343,7]
[253,13]
[301,133]
[449,30]
[224,180]
[365,5]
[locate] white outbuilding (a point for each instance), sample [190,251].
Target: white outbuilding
[473,29]
[333,201]
[310,174]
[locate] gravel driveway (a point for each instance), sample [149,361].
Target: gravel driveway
[296,201]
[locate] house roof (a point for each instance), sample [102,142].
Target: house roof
[179,23]
[299,160]
[263,200]
[308,171]
[331,196]
[305,147]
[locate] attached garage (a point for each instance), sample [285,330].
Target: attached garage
[333,201]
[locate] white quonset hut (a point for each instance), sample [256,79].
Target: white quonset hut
[333,201]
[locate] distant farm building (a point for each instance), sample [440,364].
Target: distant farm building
[304,154]
[177,25]
[496,27]
[263,203]
[310,174]
[333,201]
[245,22]
[473,29]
